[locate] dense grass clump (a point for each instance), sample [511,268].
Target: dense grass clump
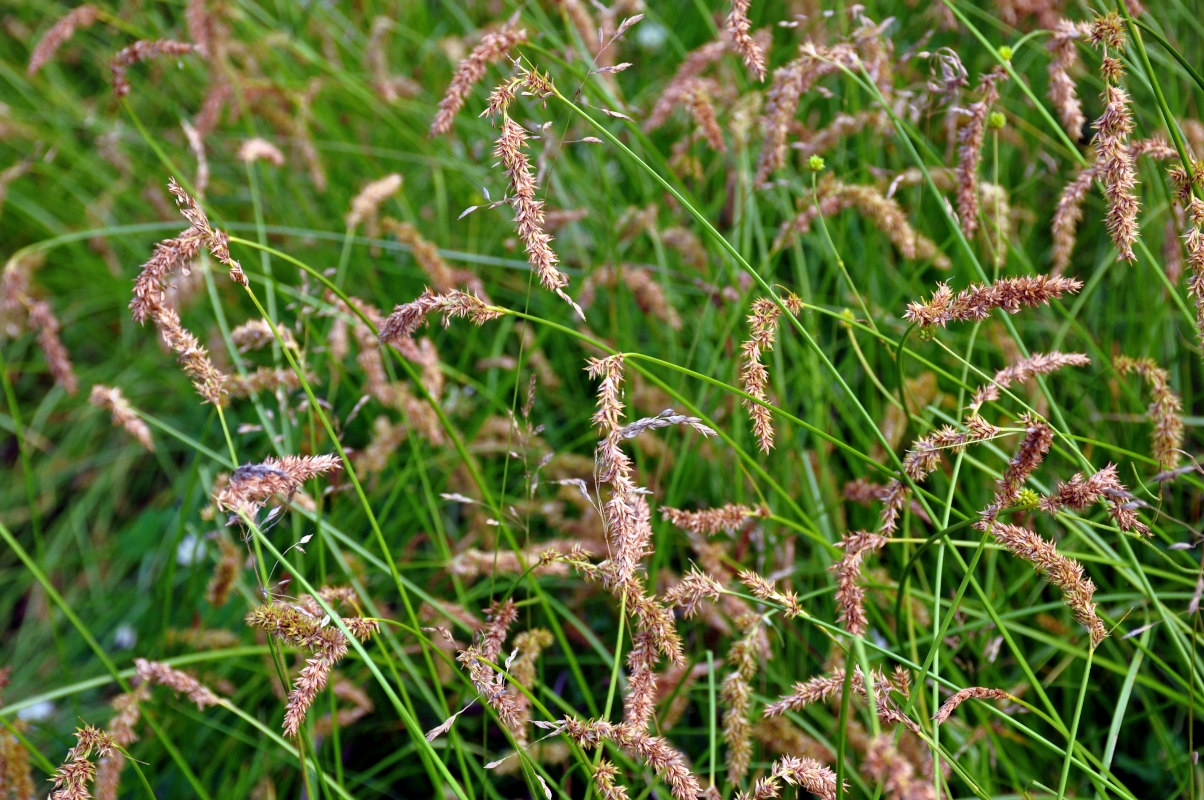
[562,399]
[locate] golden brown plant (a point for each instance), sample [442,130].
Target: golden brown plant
[648,293]
[1038,437]
[1064,56]
[409,317]
[260,149]
[72,778]
[787,87]
[743,657]
[159,674]
[225,572]
[828,687]
[365,206]
[727,518]
[850,596]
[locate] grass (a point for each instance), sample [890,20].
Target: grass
[100,561]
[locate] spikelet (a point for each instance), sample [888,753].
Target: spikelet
[216,240]
[112,400]
[260,149]
[409,317]
[1063,572]
[828,687]
[365,206]
[489,682]
[727,518]
[604,782]
[969,151]
[850,596]
[648,293]
[528,209]
[1064,56]
[56,35]
[762,328]
[209,381]
[738,27]
[787,87]
[977,301]
[884,212]
[257,333]
[252,485]
[1023,370]
[43,320]
[687,73]
[141,51]
[225,573]
[441,275]
[297,626]
[806,773]
[895,773]
[16,778]
[1165,410]
[668,763]
[744,657]
[923,457]
[72,778]
[1038,437]
[180,682]
[1079,493]
[1069,211]
[979,692]
[493,47]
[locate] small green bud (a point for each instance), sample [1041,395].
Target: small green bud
[996,120]
[815,164]
[1005,53]
[1028,499]
[847,317]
